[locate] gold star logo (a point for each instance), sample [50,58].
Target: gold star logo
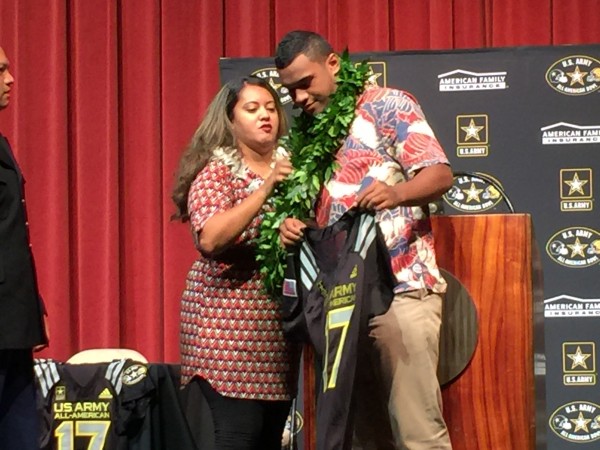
[273,84]
[472,131]
[373,77]
[579,358]
[581,423]
[576,185]
[376,74]
[576,76]
[472,193]
[577,248]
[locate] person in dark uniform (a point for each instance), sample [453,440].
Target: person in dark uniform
[22,312]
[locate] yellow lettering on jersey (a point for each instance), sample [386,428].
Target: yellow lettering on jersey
[341,301]
[342,290]
[337,318]
[341,295]
[82,410]
[59,407]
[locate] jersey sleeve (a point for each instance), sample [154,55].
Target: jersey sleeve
[46,376]
[414,144]
[292,305]
[134,396]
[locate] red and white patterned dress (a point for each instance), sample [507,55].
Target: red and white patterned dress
[230,330]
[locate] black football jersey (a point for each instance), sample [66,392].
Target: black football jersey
[91,406]
[338,278]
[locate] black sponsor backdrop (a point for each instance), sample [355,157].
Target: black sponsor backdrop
[528,171]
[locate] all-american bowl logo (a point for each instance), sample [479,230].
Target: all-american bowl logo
[291,430]
[575,247]
[463,80]
[574,75]
[134,374]
[472,194]
[272,76]
[577,422]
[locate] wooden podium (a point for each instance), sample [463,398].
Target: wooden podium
[491,404]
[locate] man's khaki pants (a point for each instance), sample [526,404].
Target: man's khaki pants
[399,401]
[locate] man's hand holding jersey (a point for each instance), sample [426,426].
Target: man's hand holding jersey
[427,185]
[291,231]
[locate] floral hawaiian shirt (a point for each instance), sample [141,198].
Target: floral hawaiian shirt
[389,140]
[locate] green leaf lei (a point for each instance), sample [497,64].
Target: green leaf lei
[313,142]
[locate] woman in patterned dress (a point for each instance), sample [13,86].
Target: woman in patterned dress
[231,339]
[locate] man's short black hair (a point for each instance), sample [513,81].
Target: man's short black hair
[298,42]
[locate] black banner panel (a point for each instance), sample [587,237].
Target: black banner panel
[521,127]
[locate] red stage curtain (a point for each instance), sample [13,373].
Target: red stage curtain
[108,93]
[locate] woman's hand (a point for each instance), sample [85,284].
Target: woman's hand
[281,170]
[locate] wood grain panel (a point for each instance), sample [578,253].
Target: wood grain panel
[491,405]
[309,399]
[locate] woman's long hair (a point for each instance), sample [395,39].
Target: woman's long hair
[215,131]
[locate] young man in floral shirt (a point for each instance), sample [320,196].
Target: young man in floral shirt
[390,163]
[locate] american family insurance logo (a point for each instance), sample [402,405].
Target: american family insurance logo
[562,133]
[463,80]
[567,306]
[574,75]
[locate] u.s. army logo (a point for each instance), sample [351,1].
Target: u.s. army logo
[576,190]
[60,393]
[579,363]
[377,73]
[472,135]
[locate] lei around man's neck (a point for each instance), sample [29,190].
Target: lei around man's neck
[313,142]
